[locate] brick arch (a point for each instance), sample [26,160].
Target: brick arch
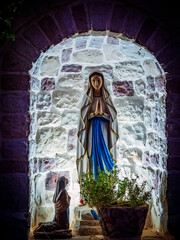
[49,25]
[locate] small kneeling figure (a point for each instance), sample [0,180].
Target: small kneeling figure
[61,218]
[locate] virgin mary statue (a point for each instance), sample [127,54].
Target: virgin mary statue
[97,129]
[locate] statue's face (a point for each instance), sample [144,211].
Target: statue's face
[96,82]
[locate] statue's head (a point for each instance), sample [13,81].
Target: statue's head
[96,80]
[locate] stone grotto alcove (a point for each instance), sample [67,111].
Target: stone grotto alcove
[137,83]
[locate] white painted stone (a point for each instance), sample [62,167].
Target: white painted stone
[50,66]
[48,118]
[106,70]
[45,214]
[112,52]
[51,141]
[129,110]
[140,87]
[35,84]
[129,70]
[133,134]
[151,67]
[70,80]
[133,155]
[70,118]
[33,99]
[153,141]
[63,98]
[43,100]
[88,56]
[65,160]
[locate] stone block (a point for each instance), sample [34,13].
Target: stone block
[121,89]
[15,149]
[112,40]
[148,27]
[50,66]
[12,62]
[71,68]
[51,141]
[35,84]
[44,214]
[36,37]
[80,18]
[51,178]
[17,102]
[70,80]
[47,84]
[72,140]
[88,56]
[15,82]
[66,161]
[81,42]
[151,67]
[112,52]
[150,84]
[65,20]
[154,159]
[49,27]
[96,42]
[15,126]
[70,118]
[14,192]
[129,109]
[160,84]
[133,134]
[66,53]
[43,100]
[140,87]
[35,165]
[129,70]
[62,99]
[153,141]
[46,164]
[106,70]
[48,118]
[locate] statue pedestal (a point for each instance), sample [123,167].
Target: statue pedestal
[84,223]
[56,234]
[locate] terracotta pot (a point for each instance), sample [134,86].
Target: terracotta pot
[123,222]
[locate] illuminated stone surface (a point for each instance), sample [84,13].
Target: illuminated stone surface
[137,86]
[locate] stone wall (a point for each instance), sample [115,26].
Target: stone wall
[137,85]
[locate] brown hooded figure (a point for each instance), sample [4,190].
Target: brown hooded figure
[61,218]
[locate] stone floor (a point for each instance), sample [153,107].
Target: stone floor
[148,234]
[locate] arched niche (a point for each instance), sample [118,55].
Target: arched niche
[137,84]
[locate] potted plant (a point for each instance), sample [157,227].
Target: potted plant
[121,204]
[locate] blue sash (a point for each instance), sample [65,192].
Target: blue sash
[100,154]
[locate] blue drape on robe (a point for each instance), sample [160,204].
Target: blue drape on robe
[100,154]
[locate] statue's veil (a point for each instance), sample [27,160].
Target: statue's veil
[83,121]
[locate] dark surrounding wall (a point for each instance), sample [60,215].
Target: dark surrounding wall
[152,24]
